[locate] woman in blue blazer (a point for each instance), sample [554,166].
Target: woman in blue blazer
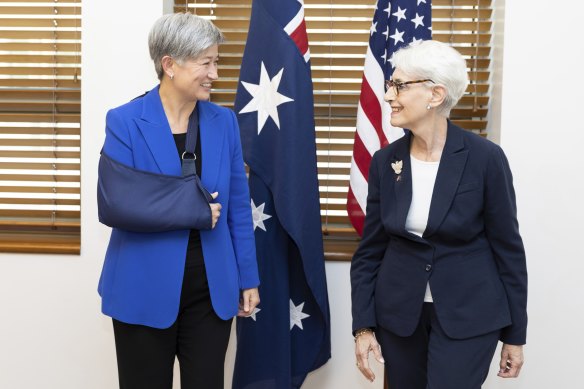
[440,274]
[176,273]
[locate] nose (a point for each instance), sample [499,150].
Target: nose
[214,72]
[389,95]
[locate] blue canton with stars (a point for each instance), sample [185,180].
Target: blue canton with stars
[397,24]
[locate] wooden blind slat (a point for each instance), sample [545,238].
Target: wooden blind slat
[338,33]
[40,84]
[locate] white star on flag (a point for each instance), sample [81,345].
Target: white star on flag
[386,33]
[384,56]
[418,20]
[388,10]
[373,28]
[258,215]
[397,37]
[400,13]
[254,313]
[296,315]
[391,61]
[266,98]
[421,1]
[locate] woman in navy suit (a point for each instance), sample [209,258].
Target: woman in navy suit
[175,274]
[440,274]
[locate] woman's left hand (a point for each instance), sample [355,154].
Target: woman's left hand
[511,361]
[250,298]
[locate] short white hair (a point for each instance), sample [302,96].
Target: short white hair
[438,62]
[182,36]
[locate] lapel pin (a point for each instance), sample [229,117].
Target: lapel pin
[397,168]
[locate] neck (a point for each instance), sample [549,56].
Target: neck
[176,108]
[428,140]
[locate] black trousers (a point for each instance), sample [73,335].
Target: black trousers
[429,359]
[198,338]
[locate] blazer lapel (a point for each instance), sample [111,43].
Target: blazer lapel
[452,165]
[403,182]
[156,131]
[211,138]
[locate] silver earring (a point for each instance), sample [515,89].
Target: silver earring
[172,77]
[428,107]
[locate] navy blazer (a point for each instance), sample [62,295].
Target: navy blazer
[142,274]
[471,252]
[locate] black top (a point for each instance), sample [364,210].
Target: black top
[194,249]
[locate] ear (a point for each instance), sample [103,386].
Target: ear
[439,93]
[168,65]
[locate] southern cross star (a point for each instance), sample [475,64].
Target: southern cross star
[258,215]
[296,315]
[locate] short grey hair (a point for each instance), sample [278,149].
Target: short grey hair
[182,36]
[438,62]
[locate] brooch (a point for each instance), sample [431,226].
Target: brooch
[397,168]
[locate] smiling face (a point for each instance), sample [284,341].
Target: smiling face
[193,78]
[409,107]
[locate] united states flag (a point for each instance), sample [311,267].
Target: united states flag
[395,24]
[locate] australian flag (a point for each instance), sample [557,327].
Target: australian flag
[288,335]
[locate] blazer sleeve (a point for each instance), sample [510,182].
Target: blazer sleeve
[367,259]
[239,218]
[502,231]
[141,201]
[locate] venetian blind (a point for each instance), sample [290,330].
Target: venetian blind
[338,33]
[40,84]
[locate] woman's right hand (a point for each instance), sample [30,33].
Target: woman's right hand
[215,210]
[364,343]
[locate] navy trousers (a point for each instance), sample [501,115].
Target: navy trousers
[429,359]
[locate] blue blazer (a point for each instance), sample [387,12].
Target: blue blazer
[471,252]
[142,274]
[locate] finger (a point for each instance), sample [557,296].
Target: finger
[366,371]
[511,370]
[254,301]
[515,367]
[376,348]
[214,195]
[363,362]
[503,363]
[246,297]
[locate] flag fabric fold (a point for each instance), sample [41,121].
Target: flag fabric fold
[396,24]
[288,335]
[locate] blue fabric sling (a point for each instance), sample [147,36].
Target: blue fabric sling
[143,201]
[189,157]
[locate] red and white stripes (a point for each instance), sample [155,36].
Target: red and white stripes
[373,132]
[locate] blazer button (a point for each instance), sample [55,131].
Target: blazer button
[428,267]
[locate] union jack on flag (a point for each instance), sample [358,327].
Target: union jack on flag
[396,24]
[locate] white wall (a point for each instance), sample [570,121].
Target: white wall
[52,335]
[542,134]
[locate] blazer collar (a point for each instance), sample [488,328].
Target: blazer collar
[450,171]
[403,181]
[211,138]
[452,163]
[155,129]
[154,126]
